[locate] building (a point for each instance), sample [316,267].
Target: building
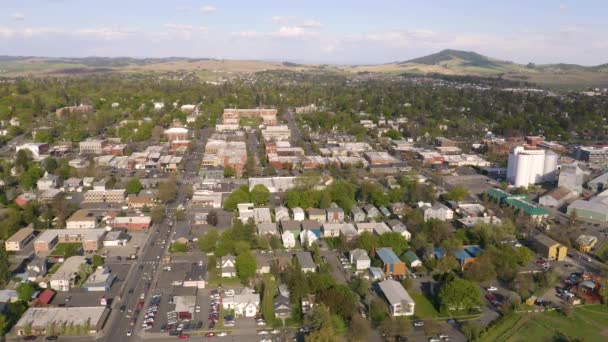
[281,213]
[207,199]
[91,239]
[391,264]
[371,211]
[105,196]
[305,262]
[289,239]
[360,259]
[196,276]
[282,307]
[132,222]
[312,226]
[585,243]
[412,259]
[36,149]
[549,248]
[267,228]
[527,166]
[245,303]
[20,239]
[335,214]
[176,134]
[100,281]
[595,209]
[519,203]
[262,215]
[399,301]
[308,302]
[571,177]
[92,146]
[115,238]
[308,237]
[357,214]
[599,183]
[227,265]
[436,211]
[67,275]
[291,226]
[39,319]
[591,154]
[298,214]
[467,255]
[329,230]
[37,268]
[315,214]
[556,197]
[399,227]
[48,182]
[276,133]
[81,219]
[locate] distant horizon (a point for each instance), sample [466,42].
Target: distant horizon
[355,32]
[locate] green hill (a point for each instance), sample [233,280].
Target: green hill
[466,58]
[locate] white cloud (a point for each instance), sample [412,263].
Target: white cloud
[290,31]
[247,34]
[283,19]
[208,9]
[18,16]
[185,28]
[106,33]
[311,23]
[183,8]
[6,32]
[563,7]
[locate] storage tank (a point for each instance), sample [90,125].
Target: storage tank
[537,166]
[550,166]
[522,169]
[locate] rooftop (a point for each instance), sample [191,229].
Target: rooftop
[394,292]
[41,317]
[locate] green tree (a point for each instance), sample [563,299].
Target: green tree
[259,195]
[229,172]
[133,186]
[359,329]
[323,335]
[4,266]
[368,241]
[360,286]
[395,241]
[212,218]
[97,261]
[240,195]
[457,193]
[178,247]
[481,271]
[319,317]
[459,295]
[378,311]
[50,164]
[25,291]
[246,266]
[84,270]
[30,177]
[3,325]
[167,191]
[208,241]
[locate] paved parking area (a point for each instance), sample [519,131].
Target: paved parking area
[137,239]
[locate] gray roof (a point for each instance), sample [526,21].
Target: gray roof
[305,260]
[394,292]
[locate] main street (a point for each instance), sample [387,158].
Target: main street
[145,270]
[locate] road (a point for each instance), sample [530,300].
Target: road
[296,135]
[145,270]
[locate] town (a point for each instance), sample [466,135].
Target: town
[297,220]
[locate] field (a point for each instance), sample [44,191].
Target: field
[424,308]
[61,248]
[588,323]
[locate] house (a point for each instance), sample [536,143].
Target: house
[399,208]
[245,211]
[467,255]
[335,214]
[399,227]
[36,320]
[100,281]
[262,215]
[549,248]
[384,211]
[313,226]
[360,259]
[66,276]
[357,214]
[291,226]
[436,211]
[115,238]
[245,302]
[288,238]
[227,267]
[331,229]
[281,213]
[81,219]
[48,182]
[412,259]
[585,242]
[195,277]
[37,268]
[399,301]
[298,214]
[348,231]
[308,302]
[8,296]
[371,211]
[132,222]
[315,214]
[25,198]
[90,239]
[140,201]
[269,228]
[391,264]
[282,307]
[364,227]
[556,197]
[376,273]
[307,237]
[44,298]
[72,184]
[20,239]
[305,262]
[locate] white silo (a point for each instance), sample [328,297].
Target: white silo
[523,169]
[550,166]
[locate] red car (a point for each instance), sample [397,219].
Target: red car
[184,337]
[209,334]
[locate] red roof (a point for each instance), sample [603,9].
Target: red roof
[46,296]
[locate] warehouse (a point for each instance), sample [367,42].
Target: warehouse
[90,320]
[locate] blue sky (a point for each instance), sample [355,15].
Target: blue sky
[355,32]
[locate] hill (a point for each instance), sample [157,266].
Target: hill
[466,58]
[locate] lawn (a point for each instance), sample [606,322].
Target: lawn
[61,248]
[424,308]
[54,268]
[589,323]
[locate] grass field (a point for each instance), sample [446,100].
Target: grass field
[588,323]
[424,307]
[61,248]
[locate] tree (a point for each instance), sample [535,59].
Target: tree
[471,330]
[259,195]
[84,270]
[25,291]
[368,242]
[246,266]
[4,266]
[340,300]
[395,241]
[97,261]
[359,328]
[3,325]
[378,311]
[157,213]
[167,191]
[208,241]
[212,218]
[480,271]
[360,286]
[319,317]
[178,247]
[133,186]
[50,164]
[457,193]
[459,295]
[229,172]
[30,177]
[395,326]
[323,335]
[240,195]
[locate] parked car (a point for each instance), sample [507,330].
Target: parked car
[418,323]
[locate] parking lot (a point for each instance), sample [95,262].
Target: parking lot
[138,239]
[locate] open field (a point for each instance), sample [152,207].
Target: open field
[424,307]
[588,323]
[61,248]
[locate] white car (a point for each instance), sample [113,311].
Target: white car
[129,332]
[198,309]
[262,332]
[275,331]
[492,288]
[223,333]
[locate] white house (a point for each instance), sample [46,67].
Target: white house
[245,303]
[227,266]
[399,301]
[360,259]
[436,211]
[289,240]
[65,277]
[307,237]
[298,214]
[281,213]
[245,211]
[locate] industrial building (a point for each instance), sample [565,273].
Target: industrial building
[100,281]
[527,166]
[594,209]
[549,248]
[571,177]
[39,319]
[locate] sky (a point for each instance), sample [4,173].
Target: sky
[312,31]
